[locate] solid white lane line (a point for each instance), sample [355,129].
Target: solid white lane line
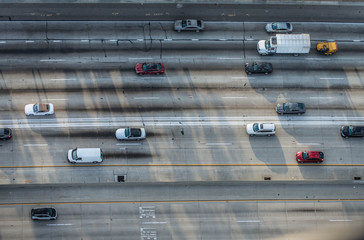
[319,97]
[146,98]
[229,58]
[317,59]
[242,77]
[248,221]
[128,144]
[141,58]
[59,224]
[219,144]
[52,60]
[154,222]
[55,99]
[340,220]
[331,78]
[63,79]
[307,144]
[36,145]
[232,97]
[178,121]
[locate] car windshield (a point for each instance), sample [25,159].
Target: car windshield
[184,23]
[74,154]
[351,130]
[127,132]
[267,44]
[255,127]
[255,67]
[35,108]
[304,155]
[286,107]
[274,26]
[321,154]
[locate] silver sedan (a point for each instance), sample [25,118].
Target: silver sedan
[130,134]
[279,27]
[189,25]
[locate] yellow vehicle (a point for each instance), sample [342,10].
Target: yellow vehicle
[327,48]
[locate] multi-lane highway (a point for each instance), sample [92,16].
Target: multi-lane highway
[226,210]
[195,117]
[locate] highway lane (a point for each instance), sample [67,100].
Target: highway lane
[40,31]
[215,11]
[249,211]
[194,55]
[99,45]
[120,101]
[174,145]
[199,76]
[184,127]
[206,135]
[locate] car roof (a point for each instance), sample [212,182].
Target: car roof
[314,154]
[268,126]
[88,152]
[43,107]
[281,24]
[41,210]
[357,128]
[191,22]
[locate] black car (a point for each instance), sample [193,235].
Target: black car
[44,214]
[288,107]
[5,133]
[255,67]
[352,131]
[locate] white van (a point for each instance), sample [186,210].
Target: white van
[85,155]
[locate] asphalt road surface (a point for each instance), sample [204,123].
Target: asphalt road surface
[198,175]
[253,210]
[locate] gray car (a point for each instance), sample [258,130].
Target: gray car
[189,25]
[279,27]
[290,107]
[44,214]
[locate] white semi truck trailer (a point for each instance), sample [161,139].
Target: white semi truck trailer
[285,43]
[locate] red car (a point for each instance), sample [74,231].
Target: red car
[149,68]
[309,157]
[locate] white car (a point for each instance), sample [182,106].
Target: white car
[189,25]
[39,109]
[261,129]
[279,27]
[130,134]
